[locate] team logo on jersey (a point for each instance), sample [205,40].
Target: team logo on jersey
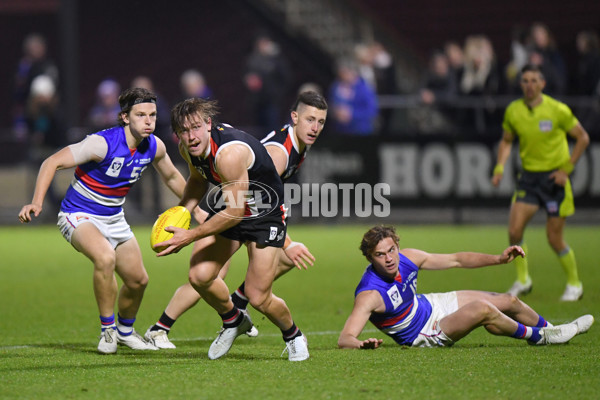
[115,167]
[545,126]
[280,236]
[394,296]
[273,233]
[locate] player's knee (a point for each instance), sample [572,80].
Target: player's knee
[484,310]
[513,300]
[105,262]
[138,281]
[259,300]
[199,278]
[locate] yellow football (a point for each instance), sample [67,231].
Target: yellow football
[175,216]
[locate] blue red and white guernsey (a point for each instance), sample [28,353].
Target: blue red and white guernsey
[284,138]
[264,182]
[100,188]
[405,311]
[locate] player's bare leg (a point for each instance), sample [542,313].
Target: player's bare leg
[186,297]
[131,269]
[209,256]
[261,273]
[483,313]
[474,314]
[510,305]
[88,240]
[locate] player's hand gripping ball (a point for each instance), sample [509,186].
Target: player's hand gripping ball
[177,216]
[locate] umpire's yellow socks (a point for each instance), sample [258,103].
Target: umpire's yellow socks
[521,265]
[567,260]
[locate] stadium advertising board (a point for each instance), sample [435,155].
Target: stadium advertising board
[434,173]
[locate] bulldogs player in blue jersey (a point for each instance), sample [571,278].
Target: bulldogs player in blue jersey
[91,218]
[387,296]
[253,214]
[288,148]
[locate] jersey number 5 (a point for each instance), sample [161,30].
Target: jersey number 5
[136,173]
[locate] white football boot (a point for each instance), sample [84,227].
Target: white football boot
[557,334]
[584,323]
[297,349]
[135,341]
[108,341]
[159,338]
[221,345]
[572,293]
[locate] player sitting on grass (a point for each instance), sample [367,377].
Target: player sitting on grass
[387,296]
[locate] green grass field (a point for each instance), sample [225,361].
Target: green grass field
[50,327]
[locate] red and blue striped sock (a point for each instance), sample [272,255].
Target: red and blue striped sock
[542,323]
[530,333]
[108,322]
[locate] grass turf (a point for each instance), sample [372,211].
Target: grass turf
[50,326]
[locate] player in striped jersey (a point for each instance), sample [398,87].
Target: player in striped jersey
[387,296]
[288,148]
[108,163]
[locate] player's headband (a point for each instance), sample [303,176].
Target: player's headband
[138,100]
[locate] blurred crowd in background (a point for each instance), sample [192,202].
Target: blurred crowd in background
[456,73]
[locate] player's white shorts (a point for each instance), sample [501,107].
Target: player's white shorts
[114,227]
[442,304]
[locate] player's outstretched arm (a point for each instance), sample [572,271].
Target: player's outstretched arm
[364,304]
[59,160]
[431,261]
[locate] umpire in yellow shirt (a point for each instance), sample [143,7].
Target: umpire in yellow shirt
[541,123]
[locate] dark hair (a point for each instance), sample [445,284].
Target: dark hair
[310,98]
[376,235]
[181,112]
[131,97]
[532,68]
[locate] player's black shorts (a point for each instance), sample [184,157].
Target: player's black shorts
[265,230]
[539,189]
